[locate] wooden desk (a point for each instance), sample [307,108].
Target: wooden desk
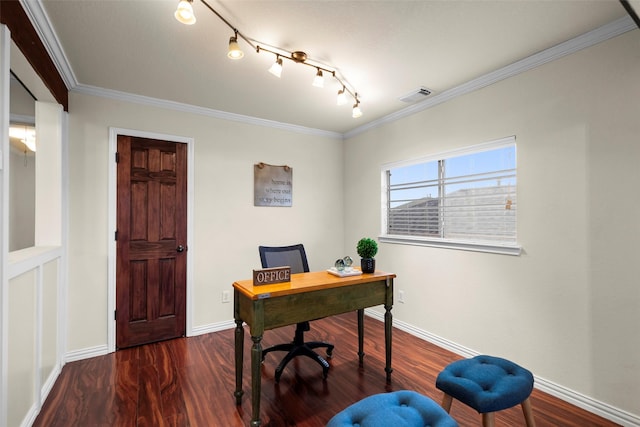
[308,296]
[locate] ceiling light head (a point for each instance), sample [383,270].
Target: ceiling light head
[318,80]
[30,142]
[276,68]
[342,96]
[357,112]
[234,49]
[26,135]
[184,12]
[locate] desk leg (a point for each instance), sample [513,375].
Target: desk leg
[239,350]
[256,361]
[388,325]
[361,336]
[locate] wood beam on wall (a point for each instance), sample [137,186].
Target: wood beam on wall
[26,38]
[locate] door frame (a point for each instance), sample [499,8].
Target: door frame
[112,255]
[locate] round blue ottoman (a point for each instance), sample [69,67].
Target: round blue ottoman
[402,408]
[487,384]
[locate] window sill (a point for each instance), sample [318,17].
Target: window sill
[486,247]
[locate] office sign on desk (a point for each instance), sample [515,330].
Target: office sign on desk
[272,185]
[269,276]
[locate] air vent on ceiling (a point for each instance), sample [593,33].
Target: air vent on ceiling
[416,95]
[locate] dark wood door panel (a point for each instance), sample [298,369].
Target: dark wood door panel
[152,230]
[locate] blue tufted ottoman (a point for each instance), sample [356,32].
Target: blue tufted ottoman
[487,384]
[402,408]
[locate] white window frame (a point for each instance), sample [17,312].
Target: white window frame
[461,244]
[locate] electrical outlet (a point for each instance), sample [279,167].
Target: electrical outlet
[401,296]
[226,296]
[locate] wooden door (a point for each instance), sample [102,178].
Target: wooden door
[151,240]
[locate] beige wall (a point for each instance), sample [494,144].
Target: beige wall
[227,227]
[568,308]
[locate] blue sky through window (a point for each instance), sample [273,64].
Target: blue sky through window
[474,170]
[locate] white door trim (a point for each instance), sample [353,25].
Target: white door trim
[113,187]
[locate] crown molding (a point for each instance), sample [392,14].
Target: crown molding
[202,111]
[36,55]
[583,41]
[41,22]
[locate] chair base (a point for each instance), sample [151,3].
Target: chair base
[300,348]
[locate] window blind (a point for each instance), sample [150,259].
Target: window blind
[471,197]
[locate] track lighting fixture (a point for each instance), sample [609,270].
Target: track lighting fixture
[318,80]
[184,12]
[342,97]
[276,68]
[234,49]
[185,15]
[26,135]
[357,112]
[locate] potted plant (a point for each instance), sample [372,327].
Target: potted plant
[367,248]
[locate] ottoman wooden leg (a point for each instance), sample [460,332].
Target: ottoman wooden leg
[446,402]
[528,412]
[486,384]
[489,419]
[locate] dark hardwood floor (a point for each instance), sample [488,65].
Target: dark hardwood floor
[190,382]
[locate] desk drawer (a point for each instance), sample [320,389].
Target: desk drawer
[296,308]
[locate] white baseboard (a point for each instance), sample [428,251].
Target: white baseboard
[604,410]
[587,403]
[212,327]
[33,412]
[49,383]
[31,416]
[101,350]
[86,353]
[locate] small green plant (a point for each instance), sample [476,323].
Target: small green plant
[367,248]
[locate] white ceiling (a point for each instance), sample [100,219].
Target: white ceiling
[383,49]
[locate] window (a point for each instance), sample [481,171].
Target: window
[464,199]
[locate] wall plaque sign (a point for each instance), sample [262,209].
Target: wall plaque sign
[272,185]
[269,276]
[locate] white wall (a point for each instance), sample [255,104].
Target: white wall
[568,308]
[227,227]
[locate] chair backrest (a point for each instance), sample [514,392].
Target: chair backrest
[278,256]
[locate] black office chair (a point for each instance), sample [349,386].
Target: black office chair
[295,257]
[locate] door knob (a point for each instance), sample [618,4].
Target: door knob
[180,248]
